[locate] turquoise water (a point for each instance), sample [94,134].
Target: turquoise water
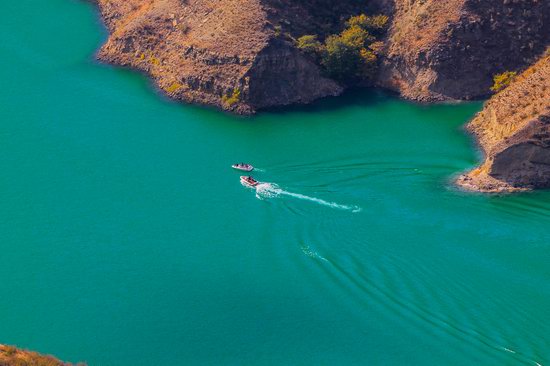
[127,240]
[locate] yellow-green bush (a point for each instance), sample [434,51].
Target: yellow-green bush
[374,24]
[232,98]
[357,37]
[348,56]
[309,44]
[501,81]
[351,55]
[175,87]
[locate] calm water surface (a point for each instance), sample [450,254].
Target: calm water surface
[127,240]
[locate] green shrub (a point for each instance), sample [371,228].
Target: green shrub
[377,47]
[309,44]
[174,87]
[375,24]
[350,56]
[347,56]
[369,64]
[356,37]
[232,98]
[501,81]
[341,59]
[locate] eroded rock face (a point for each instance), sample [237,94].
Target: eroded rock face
[513,130]
[281,75]
[444,50]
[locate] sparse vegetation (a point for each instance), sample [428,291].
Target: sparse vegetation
[232,98]
[153,60]
[175,87]
[9,350]
[501,81]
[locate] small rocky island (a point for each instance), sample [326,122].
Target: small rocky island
[246,55]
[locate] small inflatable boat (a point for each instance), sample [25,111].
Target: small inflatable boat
[249,181]
[244,167]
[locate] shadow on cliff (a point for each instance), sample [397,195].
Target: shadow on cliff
[357,97]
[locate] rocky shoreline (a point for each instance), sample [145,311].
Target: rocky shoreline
[513,130]
[242,56]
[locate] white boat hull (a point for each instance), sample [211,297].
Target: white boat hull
[244,168]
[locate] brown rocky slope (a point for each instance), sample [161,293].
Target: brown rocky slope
[233,54]
[513,130]
[11,356]
[205,51]
[450,50]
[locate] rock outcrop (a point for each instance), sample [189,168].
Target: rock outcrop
[513,130]
[11,356]
[450,50]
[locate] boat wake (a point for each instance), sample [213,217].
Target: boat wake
[266,190]
[312,254]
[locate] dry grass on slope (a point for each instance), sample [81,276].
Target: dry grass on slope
[513,129]
[505,114]
[12,356]
[419,24]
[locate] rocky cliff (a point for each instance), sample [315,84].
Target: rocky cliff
[208,51]
[513,130]
[233,54]
[450,50]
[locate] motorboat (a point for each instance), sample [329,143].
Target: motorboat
[244,167]
[249,181]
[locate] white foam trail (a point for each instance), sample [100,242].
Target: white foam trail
[270,190]
[508,350]
[311,253]
[322,202]
[267,190]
